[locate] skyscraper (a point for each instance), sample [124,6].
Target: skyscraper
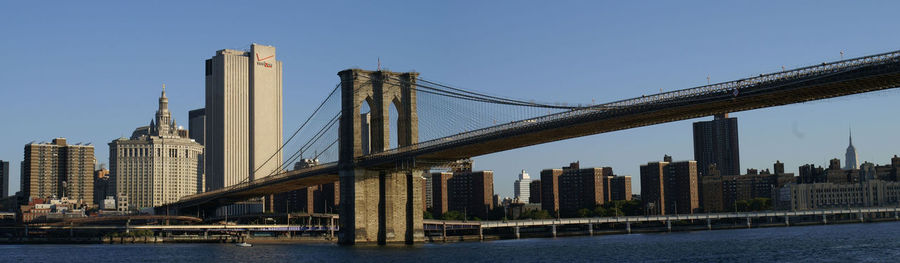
[58,169]
[522,190]
[716,143]
[243,116]
[158,164]
[197,127]
[851,162]
[4,178]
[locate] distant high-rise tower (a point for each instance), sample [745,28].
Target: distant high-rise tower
[4,178]
[851,162]
[197,128]
[716,142]
[243,116]
[522,188]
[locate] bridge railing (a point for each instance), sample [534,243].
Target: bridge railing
[718,88]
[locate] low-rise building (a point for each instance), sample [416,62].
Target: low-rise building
[720,193]
[52,210]
[871,193]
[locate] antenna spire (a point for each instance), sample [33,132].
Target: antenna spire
[379,63]
[851,136]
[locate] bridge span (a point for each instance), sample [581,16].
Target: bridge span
[382,189]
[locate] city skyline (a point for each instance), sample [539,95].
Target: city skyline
[804,133]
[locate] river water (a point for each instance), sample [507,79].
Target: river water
[878,242]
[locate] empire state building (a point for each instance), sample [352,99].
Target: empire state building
[851,156]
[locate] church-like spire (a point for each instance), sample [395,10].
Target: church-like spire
[163,117]
[163,100]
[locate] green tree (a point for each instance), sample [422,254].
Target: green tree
[539,214]
[427,215]
[584,212]
[742,206]
[452,215]
[599,211]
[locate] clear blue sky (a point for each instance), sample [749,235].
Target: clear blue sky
[92,72]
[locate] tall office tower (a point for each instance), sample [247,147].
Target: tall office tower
[851,162]
[716,143]
[197,126]
[58,170]
[522,188]
[158,164]
[243,116]
[670,187]
[4,178]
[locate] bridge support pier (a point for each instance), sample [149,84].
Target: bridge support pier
[708,224]
[331,226]
[824,219]
[896,215]
[628,227]
[381,206]
[480,233]
[669,225]
[748,222]
[590,229]
[517,233]
[862,218]
[553,229]
[444,232]
[787,220]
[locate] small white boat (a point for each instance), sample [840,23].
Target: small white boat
[243,244]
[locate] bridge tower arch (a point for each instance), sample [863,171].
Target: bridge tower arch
[382,205]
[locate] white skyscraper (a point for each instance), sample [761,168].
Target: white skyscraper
[522,188]
[243,116]
[851,156]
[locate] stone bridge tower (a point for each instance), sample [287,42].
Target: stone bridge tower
[384,204]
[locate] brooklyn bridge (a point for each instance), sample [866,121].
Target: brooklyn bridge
[414,125]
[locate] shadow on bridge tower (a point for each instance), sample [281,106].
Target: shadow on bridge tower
[380,204]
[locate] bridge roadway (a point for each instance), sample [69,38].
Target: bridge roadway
[828,80]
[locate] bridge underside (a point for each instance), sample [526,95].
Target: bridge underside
[280,183]
[755,97]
